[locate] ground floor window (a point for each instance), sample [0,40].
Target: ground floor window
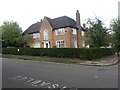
[75,43]
[37,45]
[60,44]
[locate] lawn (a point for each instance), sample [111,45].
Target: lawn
[44,58]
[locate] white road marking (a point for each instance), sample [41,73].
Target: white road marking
[37,83]
[31,79]
[63,88]
[53,86]
[44,84]
[17,77]
[24,78]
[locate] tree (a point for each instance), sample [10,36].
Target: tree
[24,40]
[115,26]
[10,34]
[97,35]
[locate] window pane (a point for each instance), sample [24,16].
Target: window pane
[60,44]
[37,45]
[75,44]
[74,31]
[82,33]
[36,35]
[45,35]
[60,31]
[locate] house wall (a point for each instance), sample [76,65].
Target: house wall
[84,38]
[68,37]
[46,26]
[36,40]
[73,38]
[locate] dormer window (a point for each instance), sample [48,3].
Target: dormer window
[60,31]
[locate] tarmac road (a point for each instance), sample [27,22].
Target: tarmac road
[18,73]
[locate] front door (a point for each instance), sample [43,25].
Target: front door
[46,44]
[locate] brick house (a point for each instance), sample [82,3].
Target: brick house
[61,32]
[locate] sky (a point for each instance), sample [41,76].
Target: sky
[27,12]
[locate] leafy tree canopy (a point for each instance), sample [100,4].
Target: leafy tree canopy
[97,34]
[11,31]
[115,26]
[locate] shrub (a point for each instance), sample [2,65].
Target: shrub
[81,53]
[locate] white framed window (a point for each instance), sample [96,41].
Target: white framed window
[83,43]
[45,36]
[75,43]
[74,31]
[60,44]
[36,35]
[60,31]
[37,45]
[82,33]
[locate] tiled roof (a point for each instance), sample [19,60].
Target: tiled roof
[62,22]
[34,28]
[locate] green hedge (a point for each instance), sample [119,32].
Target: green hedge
[82,53]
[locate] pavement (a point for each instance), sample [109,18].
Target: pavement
[108,61]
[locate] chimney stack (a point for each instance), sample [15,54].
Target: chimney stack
[78,18]
[79,36]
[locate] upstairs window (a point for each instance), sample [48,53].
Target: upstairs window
[60,44]
[36,35]
[45,36]
[74,31]
[60,31]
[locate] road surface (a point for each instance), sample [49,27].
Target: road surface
[18,73]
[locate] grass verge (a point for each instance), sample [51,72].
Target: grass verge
[46,59]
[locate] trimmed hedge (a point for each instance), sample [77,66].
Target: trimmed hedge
[81,53]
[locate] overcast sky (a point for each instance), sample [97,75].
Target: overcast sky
[27,12]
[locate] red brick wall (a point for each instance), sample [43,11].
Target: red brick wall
[36,40]
[68,37]
[46,26]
